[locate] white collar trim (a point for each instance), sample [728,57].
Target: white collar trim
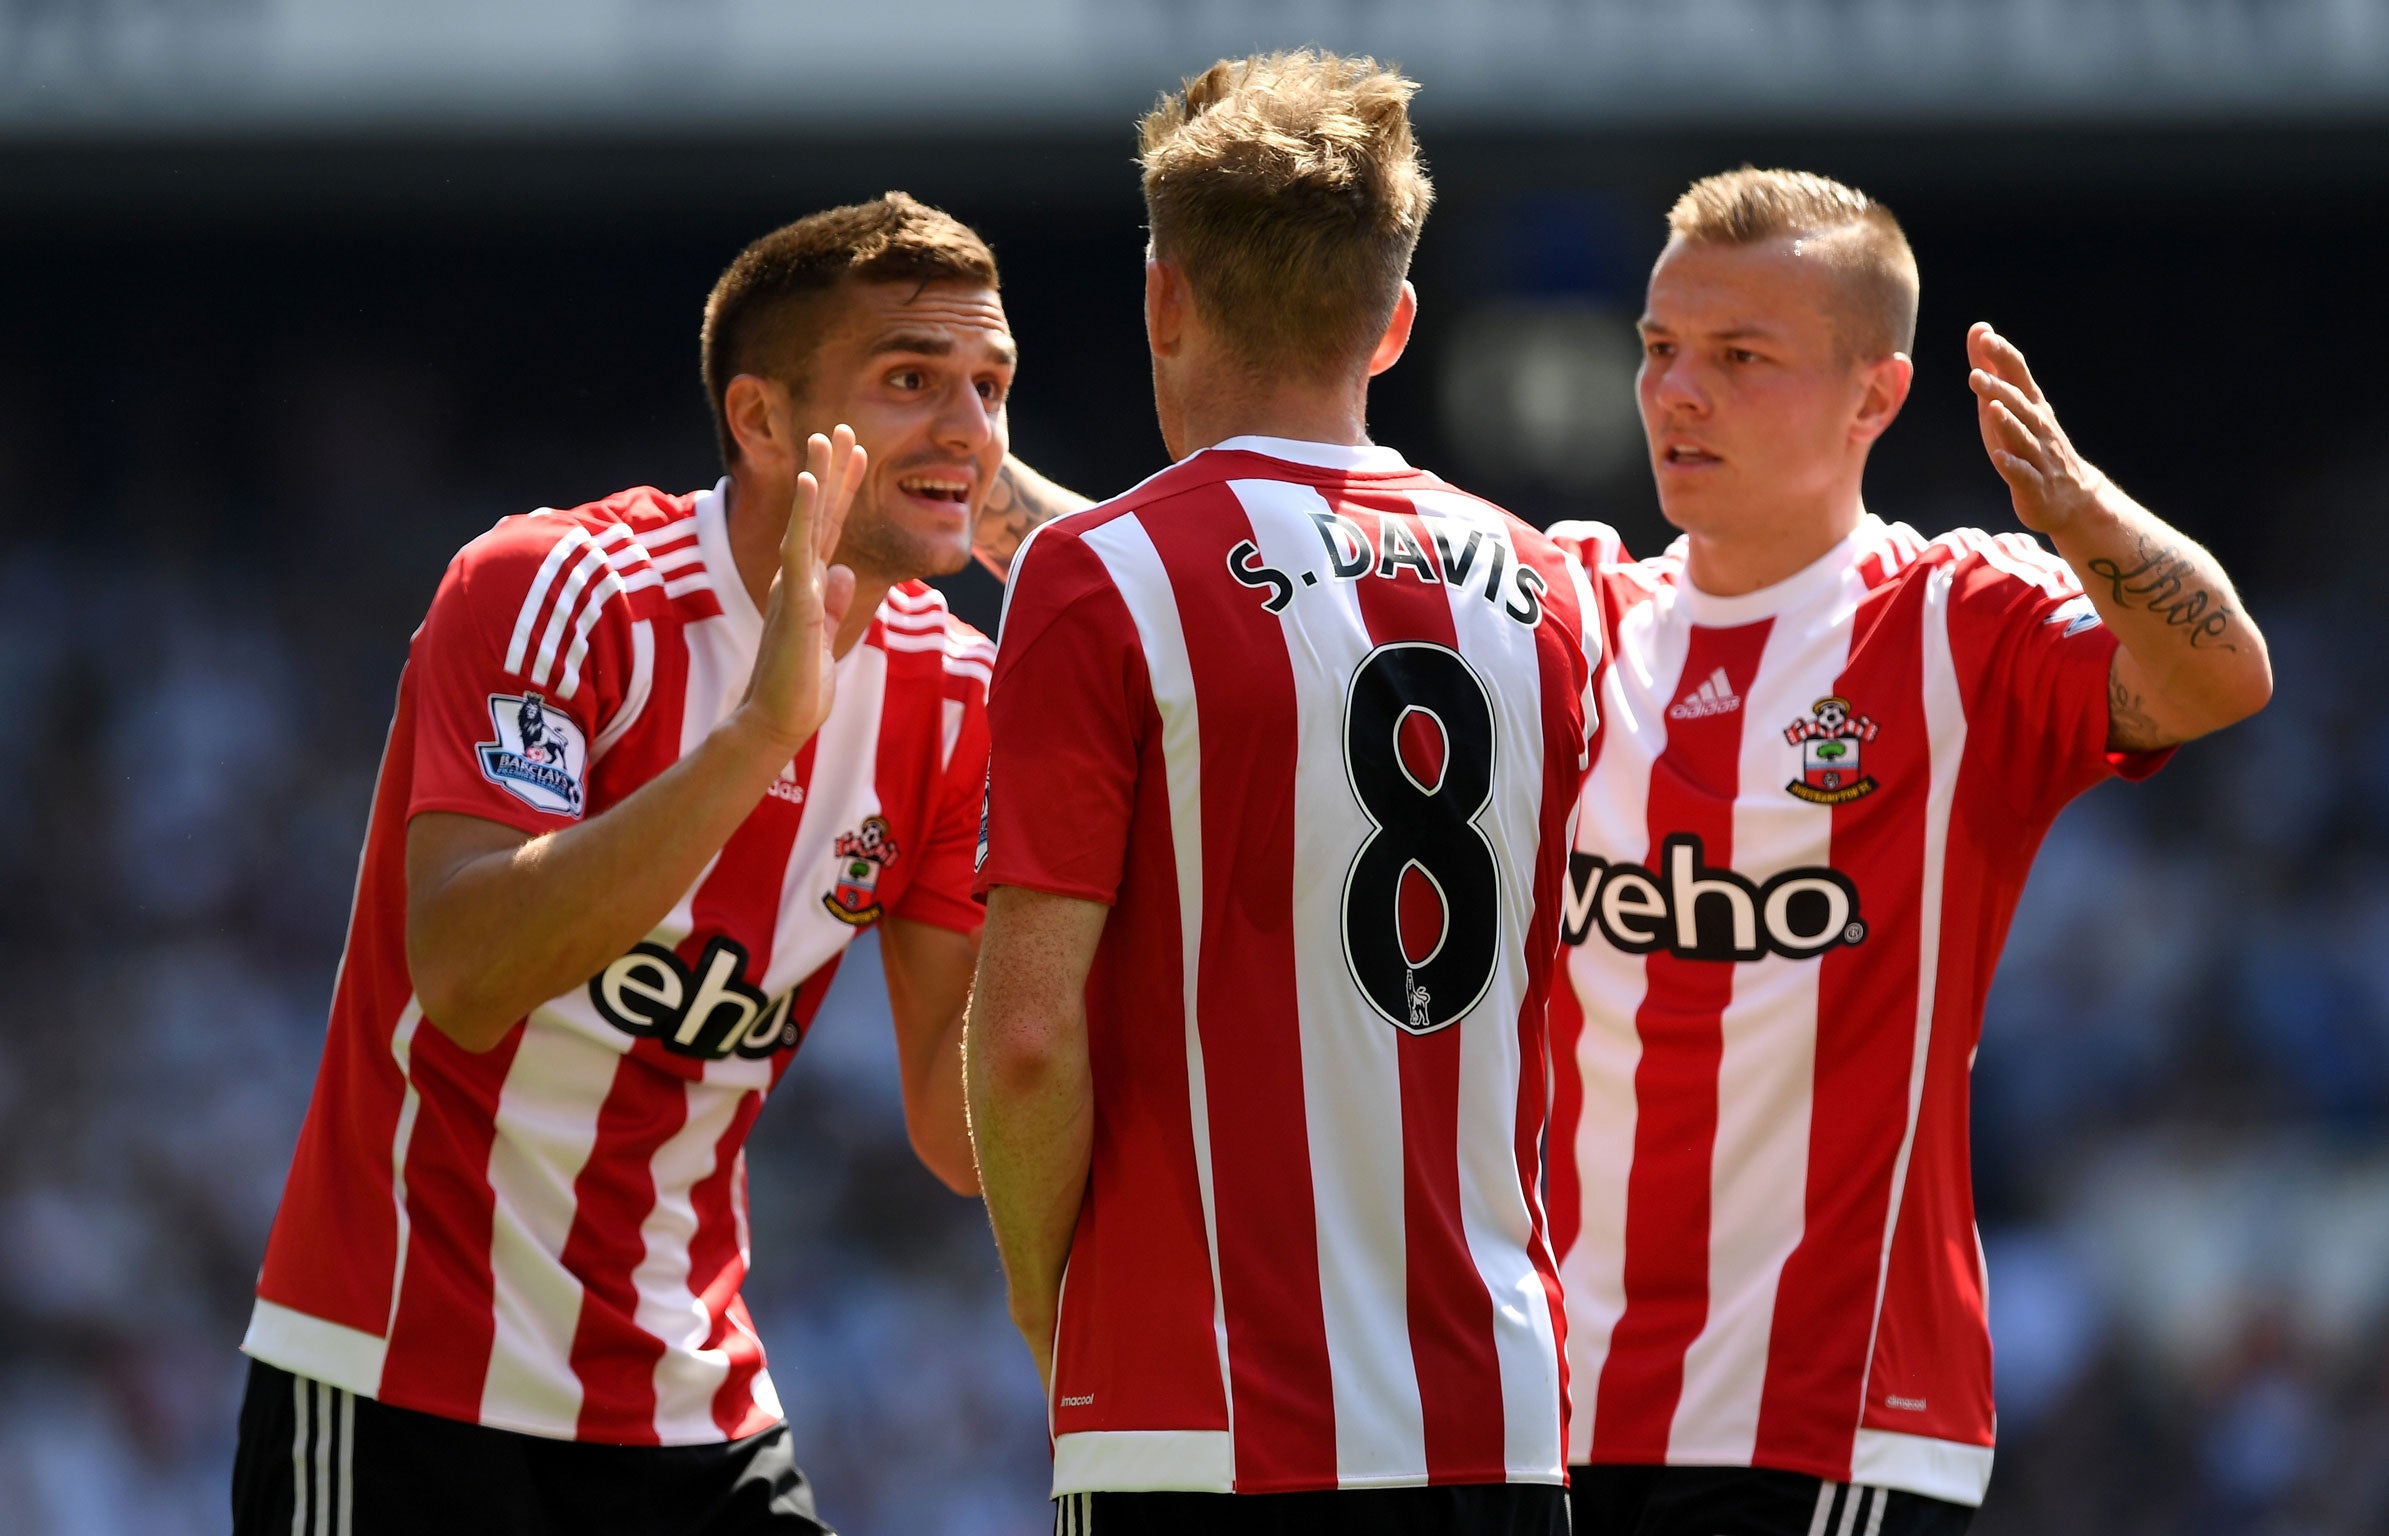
[1367,458]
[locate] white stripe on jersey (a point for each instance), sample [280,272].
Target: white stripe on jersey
[589,565]
[1355,1143]
[1495,1216]
[844,791]
[634,697]
[570,541]
[687,1374]
[1136,571]
[402,1052]
[544,1135]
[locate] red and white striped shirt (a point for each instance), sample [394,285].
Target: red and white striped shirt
[1811,811]
[1313,722]
[549,1237]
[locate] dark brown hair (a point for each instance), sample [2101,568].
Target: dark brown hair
[766,315]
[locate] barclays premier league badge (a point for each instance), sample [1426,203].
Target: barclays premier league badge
[539,756]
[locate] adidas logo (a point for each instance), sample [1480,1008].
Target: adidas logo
[1715,696]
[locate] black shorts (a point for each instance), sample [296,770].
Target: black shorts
[1493,1509]
[1748,1501]
[317,1461]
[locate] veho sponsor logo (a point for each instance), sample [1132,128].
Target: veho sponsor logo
[706,1011]
[1697,912]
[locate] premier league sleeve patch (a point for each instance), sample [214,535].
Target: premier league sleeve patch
[539,757]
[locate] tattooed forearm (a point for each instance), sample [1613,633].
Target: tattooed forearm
[2166,584]
[2129,728]
[1017,502]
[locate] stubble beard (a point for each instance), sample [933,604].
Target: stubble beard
[876,548]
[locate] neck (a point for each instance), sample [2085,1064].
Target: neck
[757,519]
[1212,411]
[1745,559]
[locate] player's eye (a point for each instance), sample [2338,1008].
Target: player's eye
[1659,349]
[992,391]
[906,378]
[1740,355]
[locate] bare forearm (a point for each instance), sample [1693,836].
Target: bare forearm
[1032,1121]
[504,932]
[929,982]
[937,1120]
[2192,660]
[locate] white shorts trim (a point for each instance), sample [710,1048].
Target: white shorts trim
[1144,1461]
[1938,1469]
[338,1356]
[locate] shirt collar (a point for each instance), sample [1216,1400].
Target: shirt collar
[1811,583]
[1365,458]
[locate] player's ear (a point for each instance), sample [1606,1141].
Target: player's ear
[1887,382]
[1168,304]
[1397,331]
[762,425]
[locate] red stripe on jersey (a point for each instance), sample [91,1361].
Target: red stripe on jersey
[1451,1316]
[717,1268]
[440,1338]
[1865,1023]
[1681,1025]
[613,1356]
[1567,1112]
[1284,1397]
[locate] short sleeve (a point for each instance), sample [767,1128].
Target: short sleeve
[940,891]
[2039,659]
[515,676]
[1066,720]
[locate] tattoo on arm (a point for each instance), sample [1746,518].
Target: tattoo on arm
[2129,728]
[2165,583]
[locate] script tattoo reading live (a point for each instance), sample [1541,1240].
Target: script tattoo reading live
[1350,555]
[2161,583]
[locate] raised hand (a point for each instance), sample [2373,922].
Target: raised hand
[2050,483]
[795,678]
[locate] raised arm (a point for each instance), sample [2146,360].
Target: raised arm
[498,923]
[1032,1097]
[2189,659]
[1019,500]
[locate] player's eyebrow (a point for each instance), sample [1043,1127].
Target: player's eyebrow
[937,344]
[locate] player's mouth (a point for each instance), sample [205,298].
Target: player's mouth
[1687,456]
[944,490]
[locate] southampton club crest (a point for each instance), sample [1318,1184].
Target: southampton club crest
[861,854]
[539,756]
[1830,740]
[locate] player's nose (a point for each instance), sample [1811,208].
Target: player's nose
[1673,385]
[966,423]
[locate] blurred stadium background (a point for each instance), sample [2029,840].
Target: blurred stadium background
[297,295]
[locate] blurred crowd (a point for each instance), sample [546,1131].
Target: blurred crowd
[2182,1102]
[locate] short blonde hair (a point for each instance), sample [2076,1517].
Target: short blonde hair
[1852,234]
[1288,189]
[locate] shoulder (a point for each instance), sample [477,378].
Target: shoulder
[1591,545]
[605,548]
[1984,570]
[557,591]
[915,621]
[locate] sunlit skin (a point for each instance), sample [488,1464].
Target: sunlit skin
[921,373]
[1205,393]
[1758,417]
